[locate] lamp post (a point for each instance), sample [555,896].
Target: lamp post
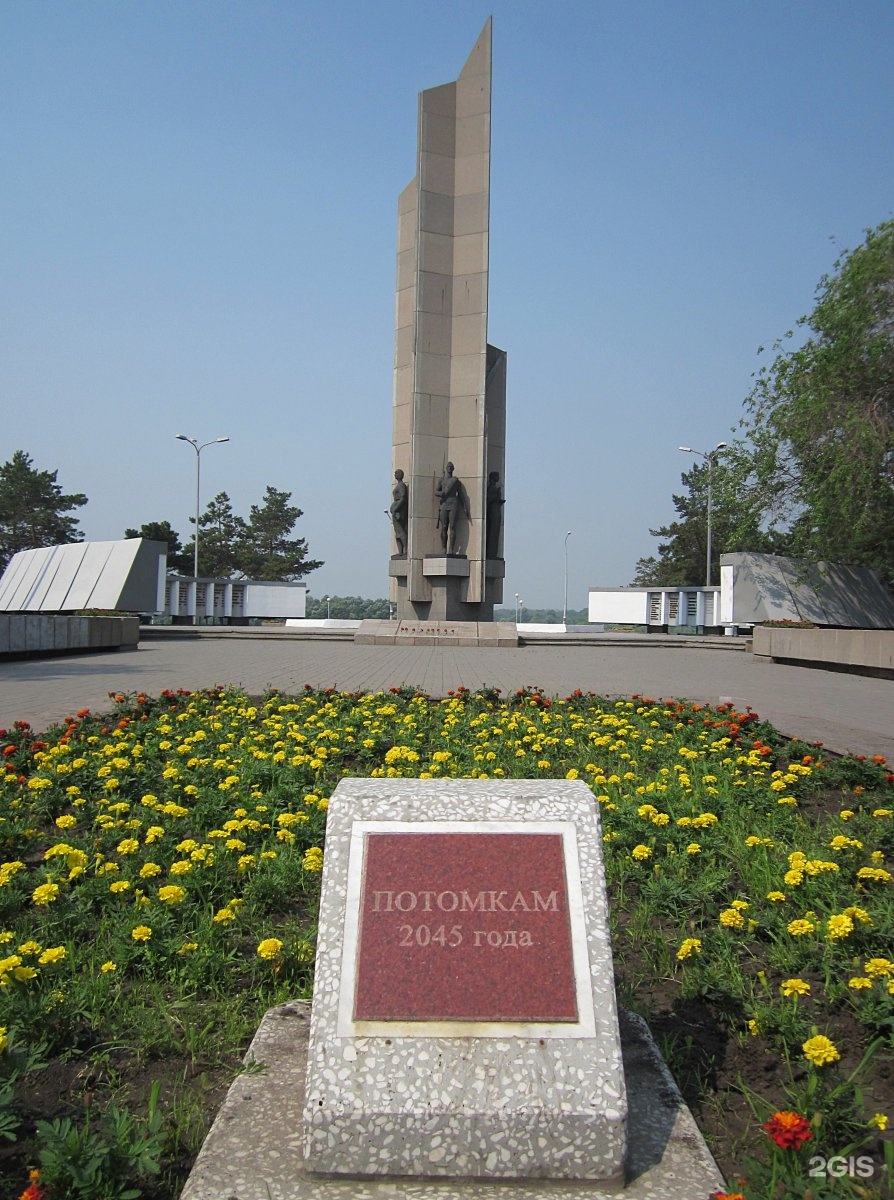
[516,608]
[708,456]
[565,599]
[327,599]
[194,442]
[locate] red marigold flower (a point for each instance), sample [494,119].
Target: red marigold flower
[789,1130]
[727,1196]
[879,760]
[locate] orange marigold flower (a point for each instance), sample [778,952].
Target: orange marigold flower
[789,1130]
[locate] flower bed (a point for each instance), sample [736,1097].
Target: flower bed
[160,878]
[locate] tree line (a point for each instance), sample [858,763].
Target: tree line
[810,469]
[34,512]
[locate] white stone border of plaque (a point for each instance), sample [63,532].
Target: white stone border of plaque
[584,1027]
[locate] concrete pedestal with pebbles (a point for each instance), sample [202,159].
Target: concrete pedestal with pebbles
[464,1038]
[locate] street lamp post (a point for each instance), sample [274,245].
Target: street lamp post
[327,599]
[565,600]
[516,608]
[194,442]
[708,456]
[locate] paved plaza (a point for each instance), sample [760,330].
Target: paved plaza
[845,712]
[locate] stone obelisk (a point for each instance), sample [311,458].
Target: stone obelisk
[449,384]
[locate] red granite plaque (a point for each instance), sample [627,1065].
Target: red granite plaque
[464,927]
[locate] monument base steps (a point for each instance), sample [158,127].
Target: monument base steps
[254,1148]
[418,632]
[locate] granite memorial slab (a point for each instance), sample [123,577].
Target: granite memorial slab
[464,1019]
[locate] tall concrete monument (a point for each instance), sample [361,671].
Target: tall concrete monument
[449,416]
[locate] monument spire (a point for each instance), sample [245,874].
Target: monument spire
[449,384]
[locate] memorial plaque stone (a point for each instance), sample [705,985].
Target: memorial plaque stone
[464,1020]
[464,926]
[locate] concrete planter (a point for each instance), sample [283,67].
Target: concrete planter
[40,633]
[860,650]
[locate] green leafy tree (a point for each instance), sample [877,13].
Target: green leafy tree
[821,417]
[33,508]
[347,608]
[162,531]
[266,549]
[220,540]
[736,525]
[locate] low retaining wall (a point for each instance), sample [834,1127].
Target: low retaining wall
[868,651]
[38,633]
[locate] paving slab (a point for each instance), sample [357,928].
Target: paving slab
[845,712]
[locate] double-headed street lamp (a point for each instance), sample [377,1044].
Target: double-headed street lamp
[565,600]
[708,456]
[194,442]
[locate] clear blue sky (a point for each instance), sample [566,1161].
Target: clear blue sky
[198,218]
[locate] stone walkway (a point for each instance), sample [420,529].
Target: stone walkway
[845,712]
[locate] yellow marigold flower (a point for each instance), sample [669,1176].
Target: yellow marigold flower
[795,987]
[181,867]
[752,840]
[776,897]
[800,927]
[839,926]
[704,820]
[128,846]
[8,870]
[874,873]
[269,948]
[753,1027]
[45,893]
[689,947]
[120,885]
[66,821]
[741,905]
[859,982]
[732,918]
[641,853]
[882,812]
[693,848]
[313,859]
[846,814]
[30,948]
[878,967]
[223,915]
[142,933]
[879,1120]
[149,870]
[52,954]
[108,967]
[25,974]
[171,894]
[793,878]
[820,1051]
[188,947]
[4,1038]
[858,914]
[153,833]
